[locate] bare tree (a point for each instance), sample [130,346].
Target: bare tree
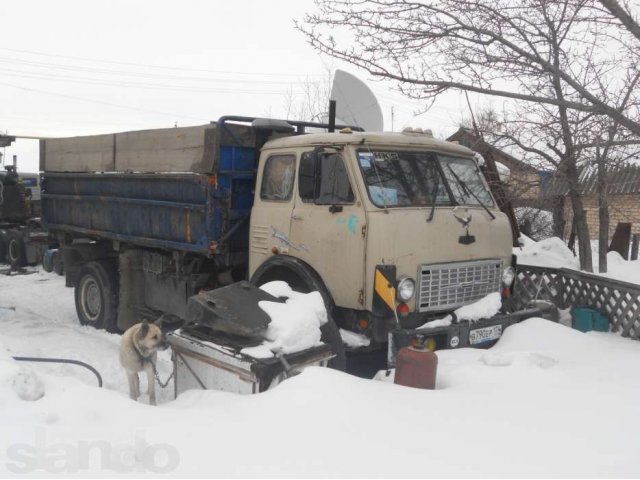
[599,143]
[555,55]
[489,47]
[312,103]
[622,14]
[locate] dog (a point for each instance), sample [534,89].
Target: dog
[138,351]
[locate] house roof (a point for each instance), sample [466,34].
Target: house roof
[621,180]
[469,139]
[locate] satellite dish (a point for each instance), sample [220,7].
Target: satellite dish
[355,102]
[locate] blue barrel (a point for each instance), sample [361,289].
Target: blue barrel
[47,260]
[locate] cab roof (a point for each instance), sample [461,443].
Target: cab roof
[387,139]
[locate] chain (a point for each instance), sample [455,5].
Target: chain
[155,372]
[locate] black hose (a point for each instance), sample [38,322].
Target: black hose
[62,360]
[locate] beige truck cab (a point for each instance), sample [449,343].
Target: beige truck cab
[394,229]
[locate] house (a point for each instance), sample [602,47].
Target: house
[623,194]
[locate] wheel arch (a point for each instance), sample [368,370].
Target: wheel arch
[294,271]
[301,276]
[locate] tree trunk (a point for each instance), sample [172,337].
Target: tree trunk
[580,219]
[559,222]
[603,215]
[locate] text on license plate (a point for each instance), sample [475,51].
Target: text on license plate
[485,334]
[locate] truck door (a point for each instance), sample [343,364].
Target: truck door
[328,225]
[272,208]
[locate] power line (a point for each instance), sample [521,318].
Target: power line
[74,68]
[91,81]
[128,107]
[163,67]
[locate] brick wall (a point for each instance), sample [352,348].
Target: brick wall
[523,188]
[622,208]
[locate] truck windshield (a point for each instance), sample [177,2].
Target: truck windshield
[405,179]
[465,181]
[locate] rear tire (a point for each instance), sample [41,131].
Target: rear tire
[16,250]
[96,295]
[302,278]
[3,246]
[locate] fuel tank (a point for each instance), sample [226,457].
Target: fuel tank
[416,367]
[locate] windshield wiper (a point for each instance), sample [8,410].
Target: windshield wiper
[466,187]
[434,194]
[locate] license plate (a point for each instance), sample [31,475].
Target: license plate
[486,334]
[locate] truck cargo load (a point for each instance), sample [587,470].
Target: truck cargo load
[185,188]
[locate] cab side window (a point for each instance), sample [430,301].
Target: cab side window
[323,179]
[277,179]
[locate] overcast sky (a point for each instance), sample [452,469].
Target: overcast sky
[72,68]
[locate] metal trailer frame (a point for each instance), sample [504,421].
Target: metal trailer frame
[199,363]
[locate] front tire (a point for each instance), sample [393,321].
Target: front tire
[96,295]
[302,278]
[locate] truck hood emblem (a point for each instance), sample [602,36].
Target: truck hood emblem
[463,216]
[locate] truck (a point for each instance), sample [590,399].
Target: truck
[22,238]
[393,229]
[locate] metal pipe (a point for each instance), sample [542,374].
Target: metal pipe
[62,360]
[332,116]
[296,123]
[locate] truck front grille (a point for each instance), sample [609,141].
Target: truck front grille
[446,286]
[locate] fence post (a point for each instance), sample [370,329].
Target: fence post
[635,242]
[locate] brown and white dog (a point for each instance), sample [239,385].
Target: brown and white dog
[138,351]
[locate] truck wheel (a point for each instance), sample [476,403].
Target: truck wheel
[16,250]
[3,246]
[96,295]
[302,278]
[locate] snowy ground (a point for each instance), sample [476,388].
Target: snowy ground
[546,401]
[553,252]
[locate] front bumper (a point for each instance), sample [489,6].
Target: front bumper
[464,333]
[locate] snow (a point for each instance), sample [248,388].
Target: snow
[504,172]
[545,401]
[353,339]
[486,307]
[295,324]
[27,385]
[620,269]
[552,252]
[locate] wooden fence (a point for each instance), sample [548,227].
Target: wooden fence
[619,301]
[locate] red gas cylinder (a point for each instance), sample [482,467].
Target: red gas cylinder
[416,367]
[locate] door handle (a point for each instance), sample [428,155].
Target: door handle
[297,217]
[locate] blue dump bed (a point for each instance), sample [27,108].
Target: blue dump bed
[204,211]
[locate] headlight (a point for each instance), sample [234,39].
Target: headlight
[508,276]
[405,289]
